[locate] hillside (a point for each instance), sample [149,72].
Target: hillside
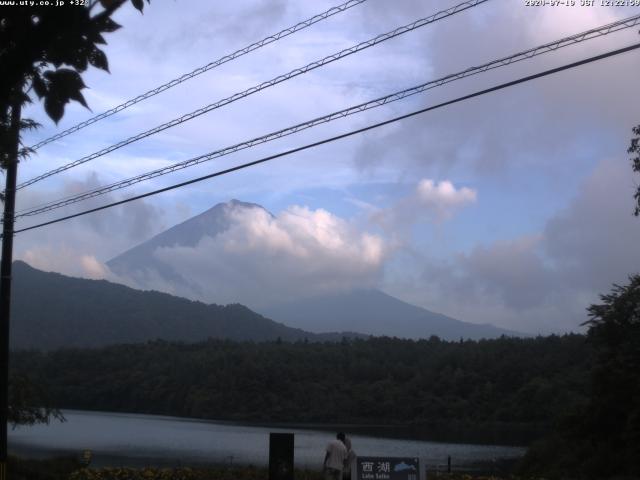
[50,310]
[376,313]
[139,262]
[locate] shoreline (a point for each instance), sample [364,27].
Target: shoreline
[121,439]
[383,431]
[114,460]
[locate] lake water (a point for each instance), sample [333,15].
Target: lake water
[129,439]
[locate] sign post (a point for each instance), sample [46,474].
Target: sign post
[387,468]
[281,456]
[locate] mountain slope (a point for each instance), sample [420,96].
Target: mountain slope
[140,264]
[50,310]
[370,312]
[376,313]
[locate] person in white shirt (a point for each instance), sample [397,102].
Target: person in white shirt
[351,457]
[335,458]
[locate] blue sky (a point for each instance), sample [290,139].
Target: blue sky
[523,252]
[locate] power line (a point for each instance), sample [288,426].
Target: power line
[198,71]
[344,135]
[255,89]
[524,55]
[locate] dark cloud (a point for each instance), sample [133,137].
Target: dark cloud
[553,130]
[78,246]
[547,281]
[134,221]
[214,27]
[594,242]
[539,123]
[511,270]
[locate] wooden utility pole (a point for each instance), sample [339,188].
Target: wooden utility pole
[5,276]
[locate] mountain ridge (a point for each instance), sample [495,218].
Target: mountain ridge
[79,313]
[369,311]
[137,262]
[376,313]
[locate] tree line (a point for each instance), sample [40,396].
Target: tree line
[575,395]
[507,390]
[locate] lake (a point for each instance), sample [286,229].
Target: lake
[140,440]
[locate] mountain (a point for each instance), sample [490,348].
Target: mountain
[370,312]
[140,265]
[50,311]
[376,313]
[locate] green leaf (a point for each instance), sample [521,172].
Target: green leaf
[79,61]
[138,4]
[64,79]
[64,85]
[105,24]
[54,107]
[29,124]
[78,97]
[25,98]
[39,86]
[98,39]
[98,59]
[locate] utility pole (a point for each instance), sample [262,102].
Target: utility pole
[5,275]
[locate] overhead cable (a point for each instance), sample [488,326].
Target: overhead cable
[527,54]
[339,137]
[255,89]
[205,68]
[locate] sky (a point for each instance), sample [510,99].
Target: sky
[513,208]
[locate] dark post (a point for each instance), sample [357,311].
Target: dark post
[449,464]
[281,456]
[5,280]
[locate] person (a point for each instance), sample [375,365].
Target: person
[335,458]
[351,456]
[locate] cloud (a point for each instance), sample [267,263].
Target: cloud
[535,124]
[545,135]
[78,246]
[542,282]
[512,271]
[66,260]
[430,200]
[443,198]
[594,241]
[262,259]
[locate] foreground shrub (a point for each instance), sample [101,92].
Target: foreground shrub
[183,473]
[51,469]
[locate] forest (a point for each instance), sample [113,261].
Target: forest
[507,390]
[574,399]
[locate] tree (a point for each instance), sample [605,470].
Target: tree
[29,402]
[602,438]
[44,49]
[613,420]
[635,163]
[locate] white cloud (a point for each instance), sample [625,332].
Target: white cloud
[65,260]
[429,201]
[263,259]
[93,268]
[77,247]
[443,198]
[545,132]
[542,282]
